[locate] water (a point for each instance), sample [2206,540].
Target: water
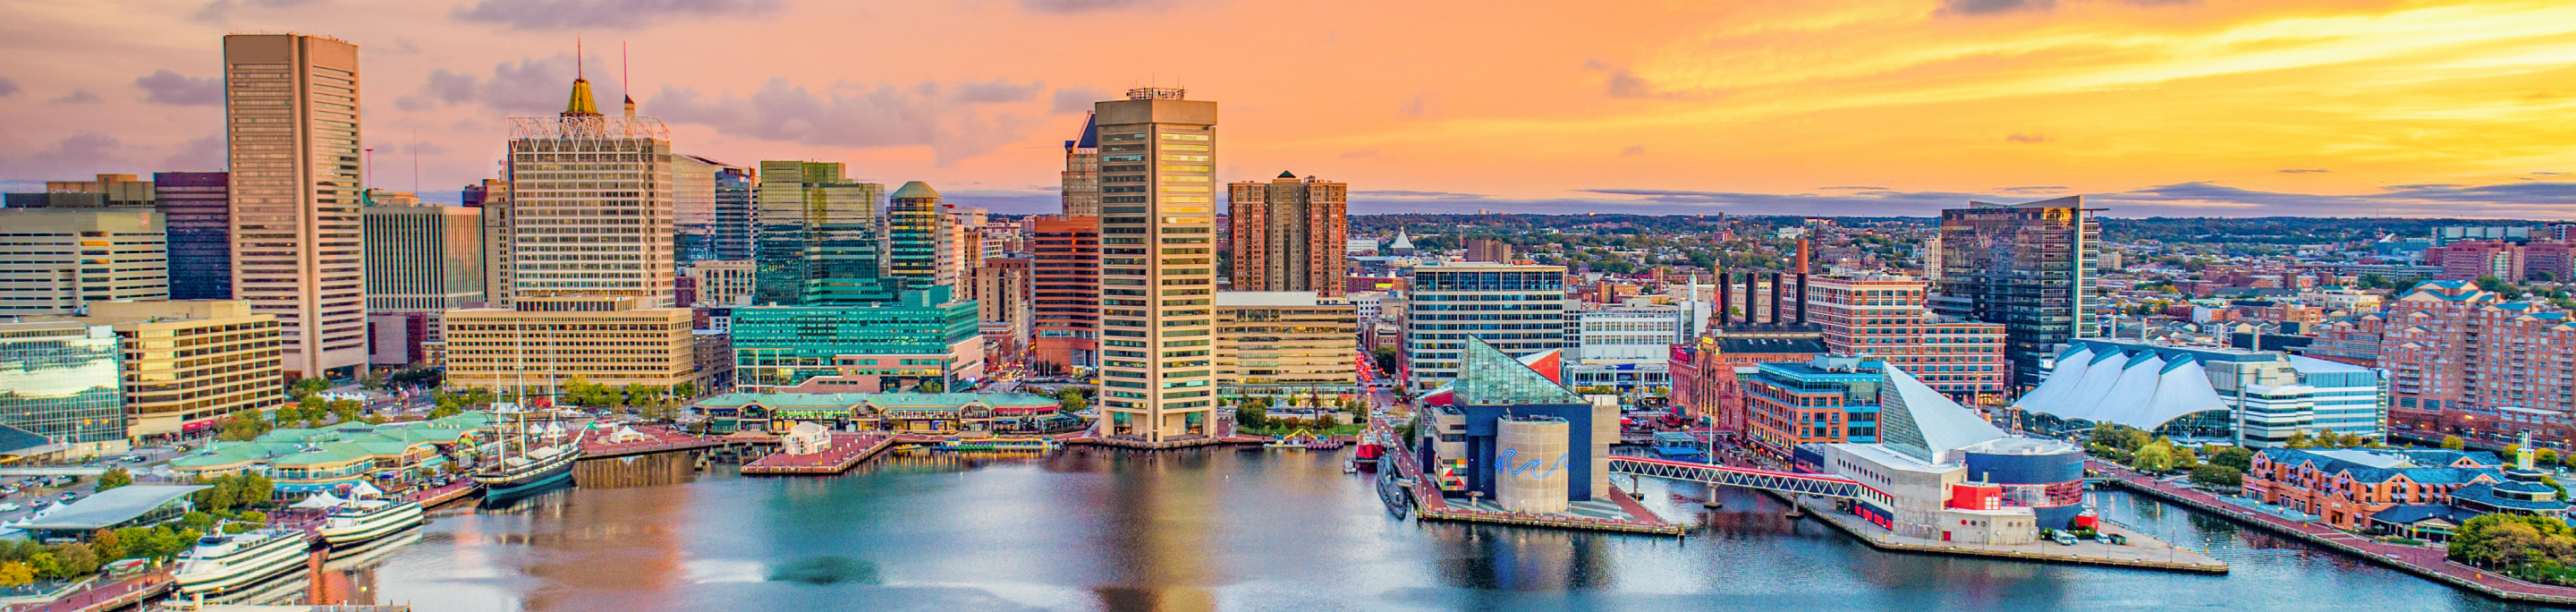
[1092,529]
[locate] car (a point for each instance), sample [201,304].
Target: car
[134,458]
[40,503]
[68,496]
[8,489]
[10,507]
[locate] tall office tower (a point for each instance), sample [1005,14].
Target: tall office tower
[1288,234]
[1064,291]
[490,190]
[291,107]
[423,258]
[189,363]
[1082,170]
[65,383]
[199,219]
[56,259]
[917,238]
[1488,249]
[493,198]
[1520,310]
[964,227]
[711,209]
[590,205]
[119,189]
[817,237]
[2027,266]
[1158,265]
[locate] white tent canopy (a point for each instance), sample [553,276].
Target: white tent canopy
[365,490]
[321,501]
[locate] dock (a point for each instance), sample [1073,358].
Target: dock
[1142,444]
[848,449]
[2142,551]
[102,595]
[657,440]
[432,498]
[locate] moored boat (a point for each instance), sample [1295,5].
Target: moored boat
[224,562]
[368,519]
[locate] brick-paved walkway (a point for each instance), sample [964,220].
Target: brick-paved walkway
[847,450]
[2417,559]
[658,439]
[105,595]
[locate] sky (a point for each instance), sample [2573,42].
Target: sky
[2428,108]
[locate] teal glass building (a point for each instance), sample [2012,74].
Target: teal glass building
[925,336]
[817,237]
[63,380]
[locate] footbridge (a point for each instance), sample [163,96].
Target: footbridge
[1825,485]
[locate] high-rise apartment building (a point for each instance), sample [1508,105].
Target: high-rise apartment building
[964,228]
[1518,309]
[2462,360]
[190,363]
[1489,250]
[1064,291]
[291,109]
[1082,170]
[918,240]
[1294,347]
[1289,234]
[1000,289]
[1883,319]
[818,236]
[54,260]
[540,343]
[590,206]
[2027,266]
[197,214]
[711,209]
[723,282]
[2470,260]
[1158,266]
[423,258]
[1931,254]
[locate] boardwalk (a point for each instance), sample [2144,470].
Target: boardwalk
[848,449]
[433,497]
[106,594]
[657,439]
[2421,561]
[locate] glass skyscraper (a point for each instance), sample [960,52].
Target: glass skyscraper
[198,217]
[817,237]
[914,237]
[2027,266]
[780,346]
[62,380]
[711,209]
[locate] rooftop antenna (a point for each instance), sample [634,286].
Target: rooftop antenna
[625,79]
[577,72]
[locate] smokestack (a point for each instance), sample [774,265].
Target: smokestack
[1725,285]
[1802,262]
[1775,298]
[1802,289]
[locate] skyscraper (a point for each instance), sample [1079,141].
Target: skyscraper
[65,383]
[198,216]
[1158,272]
[291,109]
[590,207]
[817,237]
[1520,310]
[917,239]
[1064,291]
[711,209]
[1082,170]
[423,258]
[1289,234]
[56,259]
[2027,266]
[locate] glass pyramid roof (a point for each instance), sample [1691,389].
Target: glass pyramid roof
[1489,377]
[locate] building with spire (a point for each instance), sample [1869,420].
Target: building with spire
[1288,234]
[1082,170]
[590,211]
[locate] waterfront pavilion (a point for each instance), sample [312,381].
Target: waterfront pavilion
[118,508]
[922,413]
[305,461]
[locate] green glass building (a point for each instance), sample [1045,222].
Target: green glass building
[927,335]
[63,380]
[816,237]
[915,237]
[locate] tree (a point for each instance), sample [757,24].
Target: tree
[72,559]
[685,391]
[2453,443]
[2237,458]
[2545,456]
[2153,459]
[16,574]
[2215,475]
[1252,415]
[1071,400]
[1387,359]
[241,426]
[371,381]
[114,478]
[2300,440]
[929,386]
[307,386]
[2184,459]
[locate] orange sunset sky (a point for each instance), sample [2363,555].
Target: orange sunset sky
[1815,107]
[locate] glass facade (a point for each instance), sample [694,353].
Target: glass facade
[62,381]
[199,219]
[784,345]
[2027,266]
[914,238]
[817,237]
[711,209]
[1492,378]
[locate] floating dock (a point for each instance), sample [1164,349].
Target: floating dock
[848,449]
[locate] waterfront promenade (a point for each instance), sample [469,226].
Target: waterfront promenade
[2428,562]
[2142,551]
[106,594]
[656,439]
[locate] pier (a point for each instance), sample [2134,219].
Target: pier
[848,449]
[2142,552]
[656,439]
[105,594]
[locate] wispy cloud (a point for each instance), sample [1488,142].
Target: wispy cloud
[171,88]
[608,14]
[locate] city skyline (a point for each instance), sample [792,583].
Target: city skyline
[1862,108]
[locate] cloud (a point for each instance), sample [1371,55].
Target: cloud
[847,115]
[1360,154]
[2034,189]
[8,87]
[1420,106]
[168,87]
[1633,151]
[1990,7]
[610,14]
[203,154]
[1034,200]
[1625,84]
[530,86]
[998,91]
[2304,170]
[1076,99]
[1859,187]
[216,11]
[2028,138]
[1086,6]
[80,96]
[80,154]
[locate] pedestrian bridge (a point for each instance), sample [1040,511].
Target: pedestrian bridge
[1825,485]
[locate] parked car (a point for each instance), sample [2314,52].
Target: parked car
[69,496]
[11,507]
[8,489]
[134,458]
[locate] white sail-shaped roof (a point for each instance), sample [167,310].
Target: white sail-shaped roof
[1918,421]
[2070,367]
[2099,374]
[2181,390]
[2135,387]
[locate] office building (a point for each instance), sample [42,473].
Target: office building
[723,282]
[2254,398]
[196,212]
[65,383]
[1293,347]
[190,363]
[492,197]
[1930,253]
[1624,348]
[817,238]
[927,337]
[1064,292]
[1000,290]
[1158,267]
[2028,266]
[56,200]
[1489,250]
[966,249]
[1081,186]
[590,206]
[1883,318]
[919,244]
[1519,309]
[485,192]
[540,343]
[53,260]
[423,258]
[1288,234]
[120,190]
[710,209]
[291,109]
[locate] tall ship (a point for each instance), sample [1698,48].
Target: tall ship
[226,562]
[530,456]
[368,519]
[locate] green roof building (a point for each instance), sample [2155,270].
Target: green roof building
[304,461]
[927,336]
